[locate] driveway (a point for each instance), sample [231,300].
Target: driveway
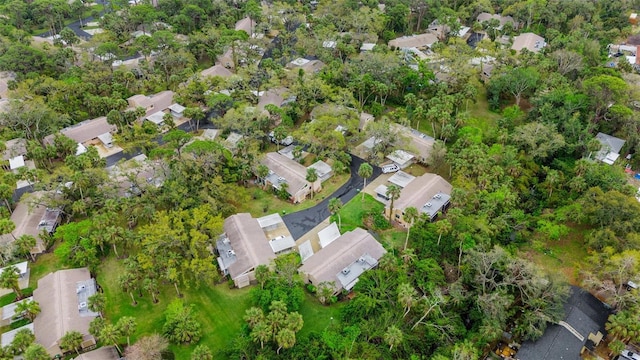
[301,222]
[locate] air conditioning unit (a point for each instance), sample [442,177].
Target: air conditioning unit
[345,271]
[232,253]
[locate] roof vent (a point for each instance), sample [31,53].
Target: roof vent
[361,260]
[437,196]
[80,288]
[427,204]
[231,253]
[82,305]
[345,271]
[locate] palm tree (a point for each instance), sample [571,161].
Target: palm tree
[393,193]
[110,334]
[393,336]
[96,303]
[406,296]
[127,284]
[365,171]
[262,172]
[151,285]
[29,309]
[24,244]
[127,326]
[616,347]
[202,352]
[443,227]
[9,280]
[312,177]
[285,338]
[72,340]
[21,341]
[261,333]
[7,226]
[36,352]
[253,316]
[410,216]
[335,205]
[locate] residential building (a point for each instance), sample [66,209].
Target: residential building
[323,170]
[137,175]
[274,97]
[610,148]
[421,42]
[585,317]
[14,148]
[529,41]
[485,17]
[7,338]
[429,194]
[63,297]
[401,158]
[216,70]
[343,260]
[9,314]
[103,353]
[248,242]
[285,170]
[247,25]
[417,143]
[367,47]
[308,65]
[365,119]
[151,103]
[87,132]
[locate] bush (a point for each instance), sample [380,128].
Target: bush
[180,324]
[380,222]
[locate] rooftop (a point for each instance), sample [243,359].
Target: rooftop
[14,147]
[423,191]
[322,168]
[157,117]
[216,70]
[415,41]
[328,234]
[85,131]
[401,179]
[610,150]
[286,170]
[177,108]
[400,157]
[7,338]
[16,162]
[529,41]
[9,311]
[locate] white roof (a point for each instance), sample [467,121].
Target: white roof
[463,31]
[177,108]
[400,157]
[282,243]
[22,267]
[367,46]
[156,118]
[16,162]
[210,134]
[329,44]
[300,61]
[382,190]
[322,168]
[401,179]
[106,138]
[328,234]
[270,220]
[305,250]
[7,338]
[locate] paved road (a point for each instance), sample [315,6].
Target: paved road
[75,26]
[301,222]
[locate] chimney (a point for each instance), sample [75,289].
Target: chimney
[638,55]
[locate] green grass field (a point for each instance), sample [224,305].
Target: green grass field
[46,263]
[219,309]
[316,316]
[353,211]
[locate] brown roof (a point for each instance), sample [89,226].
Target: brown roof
[216,70]
[14,147]
[58,299]
[415,41]
[294,174]
[340,253]
[85,131]
[27,217]
[152,103]
[419,191]
[419,144]
[249,242]
[103,353]
[273,97]
[529,41]
[482,17]
[245,24]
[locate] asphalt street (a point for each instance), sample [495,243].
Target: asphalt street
[301,222]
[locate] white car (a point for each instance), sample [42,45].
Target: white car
[390,168]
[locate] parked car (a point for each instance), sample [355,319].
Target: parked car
[390,168]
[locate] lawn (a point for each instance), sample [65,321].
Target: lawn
[316,316]
[562,256]
[479,114]
[45,263]
[219,309]
[353,211]
[264,202]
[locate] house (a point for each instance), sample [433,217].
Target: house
[86,133]
[14,148]
[343,260]
[284,170]
[232,140]
[417,143]
[401,158]
[329,44]
[323,170]
[272,97]
[9,312]
[502,20]
[365,119]
[7,338]
[328,235]
[367,47]
[156,118]
[429,194]
[32,218]
[248,242]
[529,41]
[63,297]
[103,353]
[176,110]
[610,148]
[421,42]
[136,175]
[247,25]
[585,315]
[216,70]
[151,103]
[308,65]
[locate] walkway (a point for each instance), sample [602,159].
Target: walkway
[301,222]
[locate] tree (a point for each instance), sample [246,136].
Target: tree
[605,91]
[151,285]
[285,339]
[335,205]
[410,216]
[36,352]
[127,283]
[24,244]
[127,326]
[312,177]
[262,172]
[7,227]
[28,309]
[393,193]
[147,348]
[261,333]
[325,291]
[443,227]
[181,325]
[407,297]
[616,347]
[9,280]
[517,82]
[365,171]
[21,341]
[202,352]
[393,336]
[111,334]
[72,340]
[195,113]
[96,303]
